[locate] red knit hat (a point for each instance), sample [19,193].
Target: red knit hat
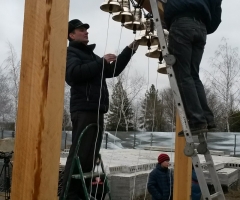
[163,157]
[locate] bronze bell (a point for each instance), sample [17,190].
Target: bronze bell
[111,6]
[148,40]
[154,53]
[136,24]
[162,68]
[149,26]
[125,15]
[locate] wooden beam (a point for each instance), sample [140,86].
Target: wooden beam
[41,95]
[182,168]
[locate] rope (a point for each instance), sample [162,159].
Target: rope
[145,194]
[99,102]
[143,128]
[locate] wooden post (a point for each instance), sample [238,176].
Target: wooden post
[40,106]
[182,168]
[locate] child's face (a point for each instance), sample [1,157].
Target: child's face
[165,164]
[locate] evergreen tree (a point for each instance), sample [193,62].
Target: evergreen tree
[151,118]
[120,116]
[234,121]
[169,109]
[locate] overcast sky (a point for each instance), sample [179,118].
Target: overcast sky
[11,23]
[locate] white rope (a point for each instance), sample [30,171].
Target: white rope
[145,194]
[121,101]
[122,90]
[134,183]
[99,103]
[113,83]
[171,154]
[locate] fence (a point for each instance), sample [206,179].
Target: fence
[227,142]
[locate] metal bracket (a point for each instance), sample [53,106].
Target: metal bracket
[189,150]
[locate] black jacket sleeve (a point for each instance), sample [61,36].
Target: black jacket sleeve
[113,69]
[216,13]
[77,72]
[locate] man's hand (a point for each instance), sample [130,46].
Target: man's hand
[134,45]
[110,57]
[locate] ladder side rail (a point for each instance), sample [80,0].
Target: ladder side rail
[212,171]
[200,176]
[214,176]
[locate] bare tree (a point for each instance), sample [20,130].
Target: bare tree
[217,107]
[5,99]
[224,79]
[12,66]
[66,110]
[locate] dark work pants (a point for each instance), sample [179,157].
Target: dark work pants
[86,151]
[187,39]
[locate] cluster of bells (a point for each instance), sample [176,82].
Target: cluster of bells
[133,20]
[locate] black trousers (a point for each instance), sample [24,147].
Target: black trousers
[187,39]
[86,151]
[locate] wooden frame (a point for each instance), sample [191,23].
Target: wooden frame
[41,95]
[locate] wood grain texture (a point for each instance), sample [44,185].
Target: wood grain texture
[41,95]
[182,168]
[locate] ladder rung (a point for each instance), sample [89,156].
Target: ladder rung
[87,175]
[207,163]
[215,195]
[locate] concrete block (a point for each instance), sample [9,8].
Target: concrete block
[227,176]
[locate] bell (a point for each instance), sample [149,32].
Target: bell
[136,24]
[149,26]
[162,68]
[111,6]
[125,15]
[148,40]
[154,53]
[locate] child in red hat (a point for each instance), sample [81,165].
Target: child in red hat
[160,182]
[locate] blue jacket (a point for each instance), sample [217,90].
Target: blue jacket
[196,191]
[209,11]
[160,183]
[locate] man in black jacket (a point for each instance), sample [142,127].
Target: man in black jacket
[86,73]
[189,22]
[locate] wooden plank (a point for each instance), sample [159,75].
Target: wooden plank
[41,94]
[182,168]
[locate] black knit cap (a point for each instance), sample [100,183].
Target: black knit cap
[76,23]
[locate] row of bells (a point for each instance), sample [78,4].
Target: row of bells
[133,20]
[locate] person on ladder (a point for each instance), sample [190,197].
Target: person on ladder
[189,22]
[89,96]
